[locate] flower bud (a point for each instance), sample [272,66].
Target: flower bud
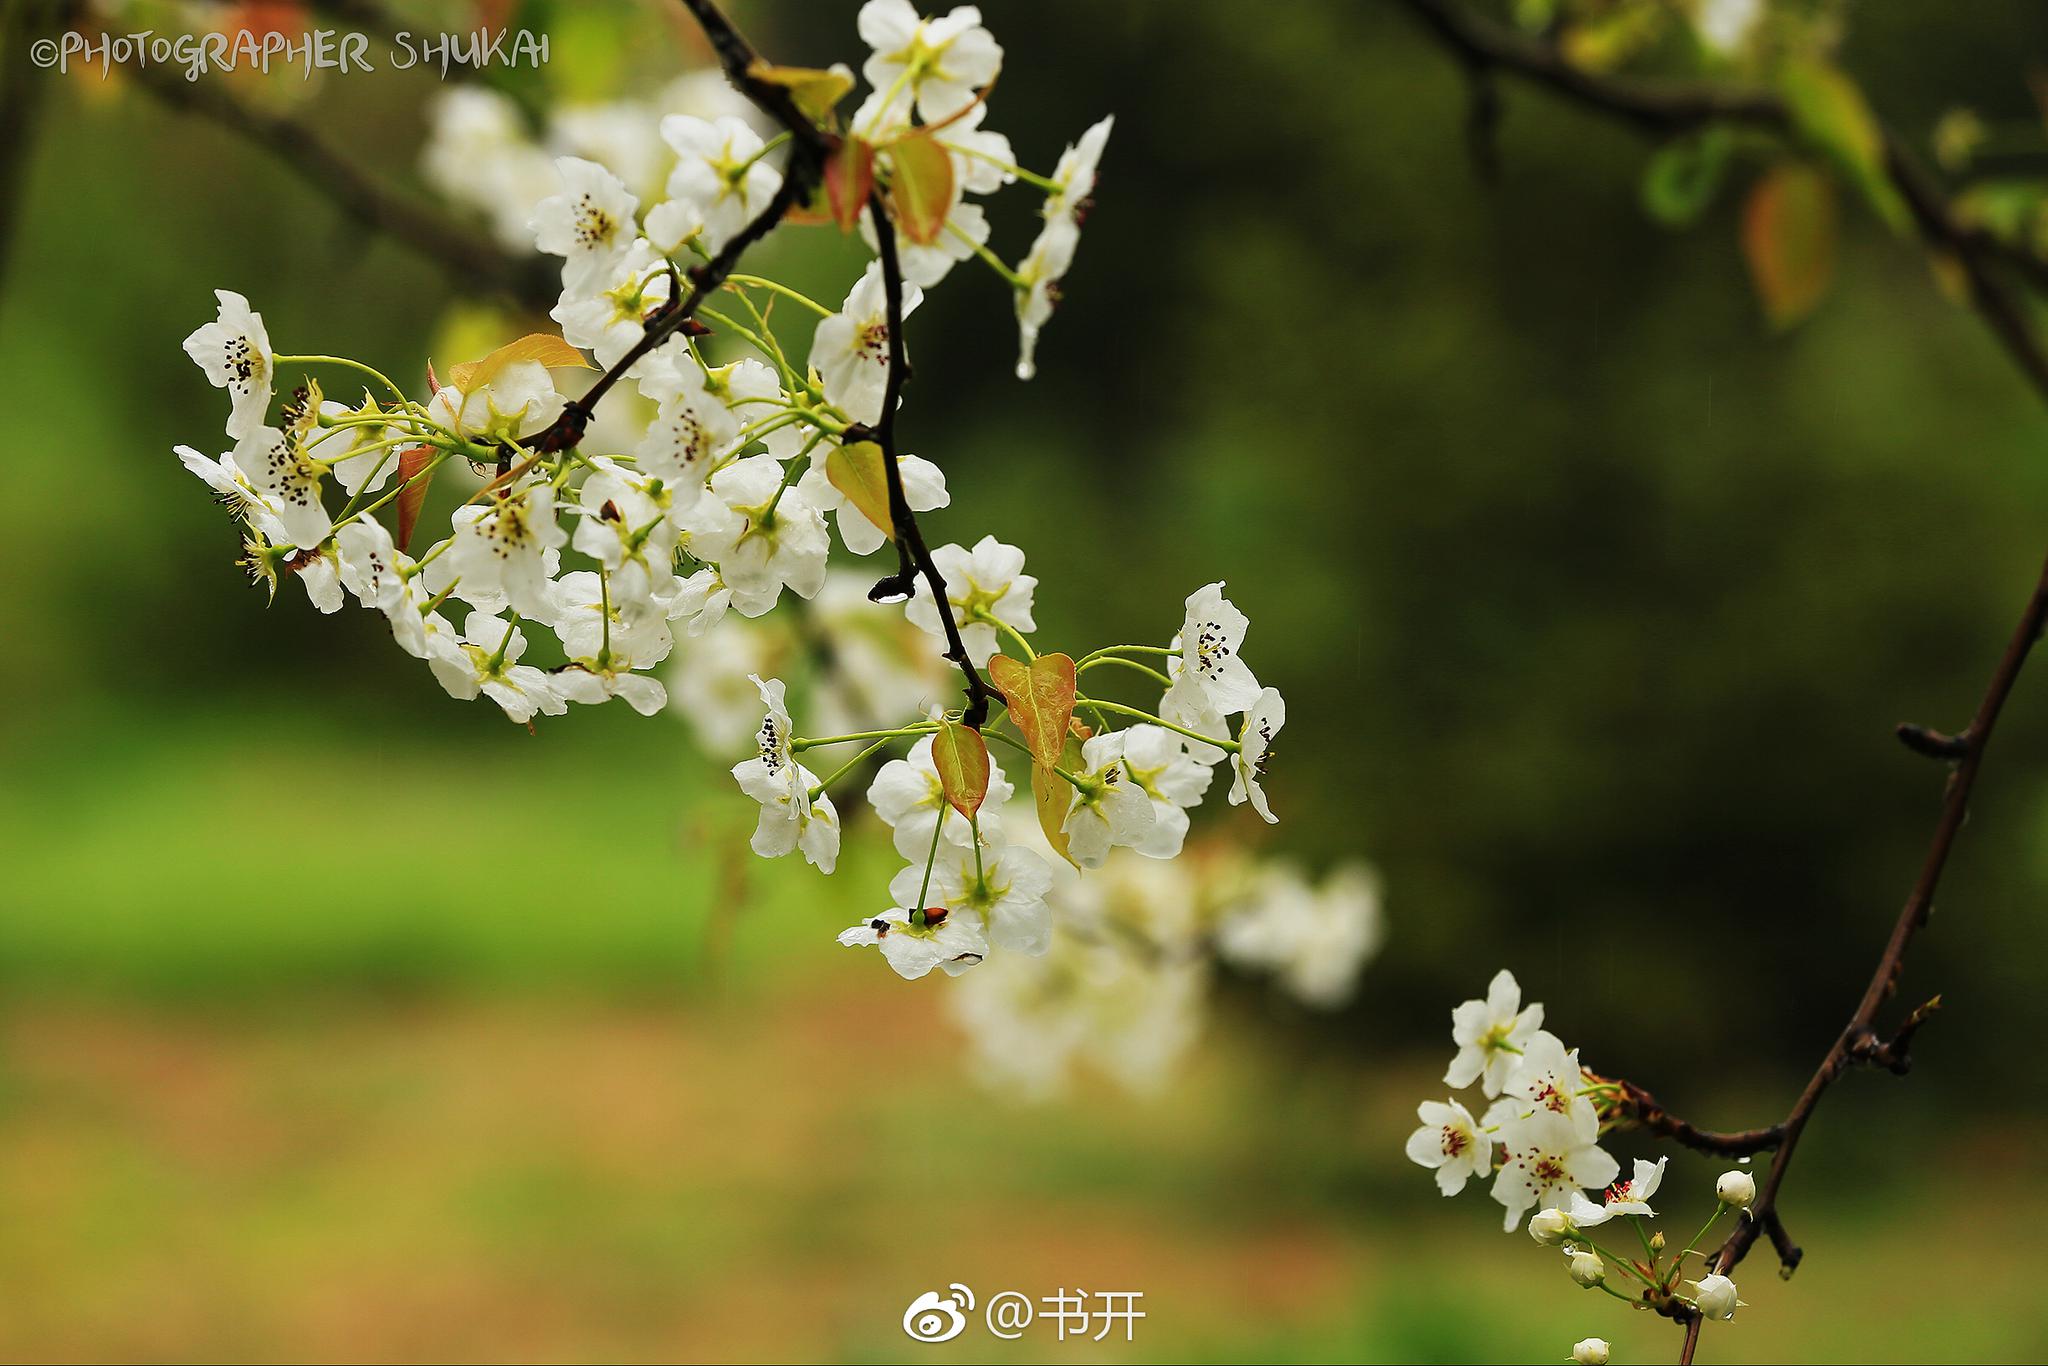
[1588,1270]
[1736,1189]
[1657,1241]
[1551,1226]
[1714,1297]
[1590,1351]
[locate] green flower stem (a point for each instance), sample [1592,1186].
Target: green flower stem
[1120,709]
[399,488]
[346,363]
[849,766]
[989,258]
[1043,182]
[793,295]
[799,745]
[931,858]
[1127,649]
[1145,669]
[1016,636]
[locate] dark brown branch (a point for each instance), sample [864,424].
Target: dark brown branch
[1667,107]
[913,557]
[468,256]
[1642,1107]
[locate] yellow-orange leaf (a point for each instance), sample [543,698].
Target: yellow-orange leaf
[1041,700]
[961,757]
[922,186]
[1052,795]
[859,472]
[1788,238]
[545,347]
[816,91]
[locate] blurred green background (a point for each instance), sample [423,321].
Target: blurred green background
[329,1029]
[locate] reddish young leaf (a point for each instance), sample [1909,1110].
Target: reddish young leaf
[1041,700]
[858,472]
[1788,238]
[545,347]
[922,186]
[411,461]
[961,756]
[849,180]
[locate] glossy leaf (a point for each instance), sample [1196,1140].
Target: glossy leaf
[1053,796]
[922,186]
[1041,700]
[1831,114]
[816,91]
[412,461]
[961,757]
[859,471]
[1788,238]
[545,347]
[849,180]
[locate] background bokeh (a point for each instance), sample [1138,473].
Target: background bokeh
[337,1019]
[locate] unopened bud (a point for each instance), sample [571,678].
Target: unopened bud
[1590,1351]
[1736,1189]
[1657,1241]
[1586,1268]
[1551,1226]
[1714,1296]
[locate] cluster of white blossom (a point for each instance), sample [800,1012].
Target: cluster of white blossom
[1124,987]
[1538,1139]
[582,552]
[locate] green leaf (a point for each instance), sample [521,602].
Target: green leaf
[921,187]
[413,490]
[1052,795]
[859,471]
[961,756]
[1788,238]
[1684,175]
[1041,700]
[815,91]
[1831,114]
[849,180]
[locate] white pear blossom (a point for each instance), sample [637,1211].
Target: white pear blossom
[625,527]
[1544,1163]
[1590,1352]
[1038,287]
[984,586]
[772,537]
[1491,1035]
[907,795]
[356,453]
[1254,737]
[288,481]
[1003,885]
[500,546]
[1208,671]
[943,63]
[518,401]
[1451,1143]
[691,430]
[925,264]
[1157,760]
[611,318]
[850,349]
[230,486]
[914,945]
[790,817]
[1547,1075]
[982,159]
[369,564]
[1623,1197]
[234,351]
[1316,940]
[477,152]
[720,178]
[1108,808]
[590,224]
[486,660]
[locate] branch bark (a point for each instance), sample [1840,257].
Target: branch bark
[1991,267]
